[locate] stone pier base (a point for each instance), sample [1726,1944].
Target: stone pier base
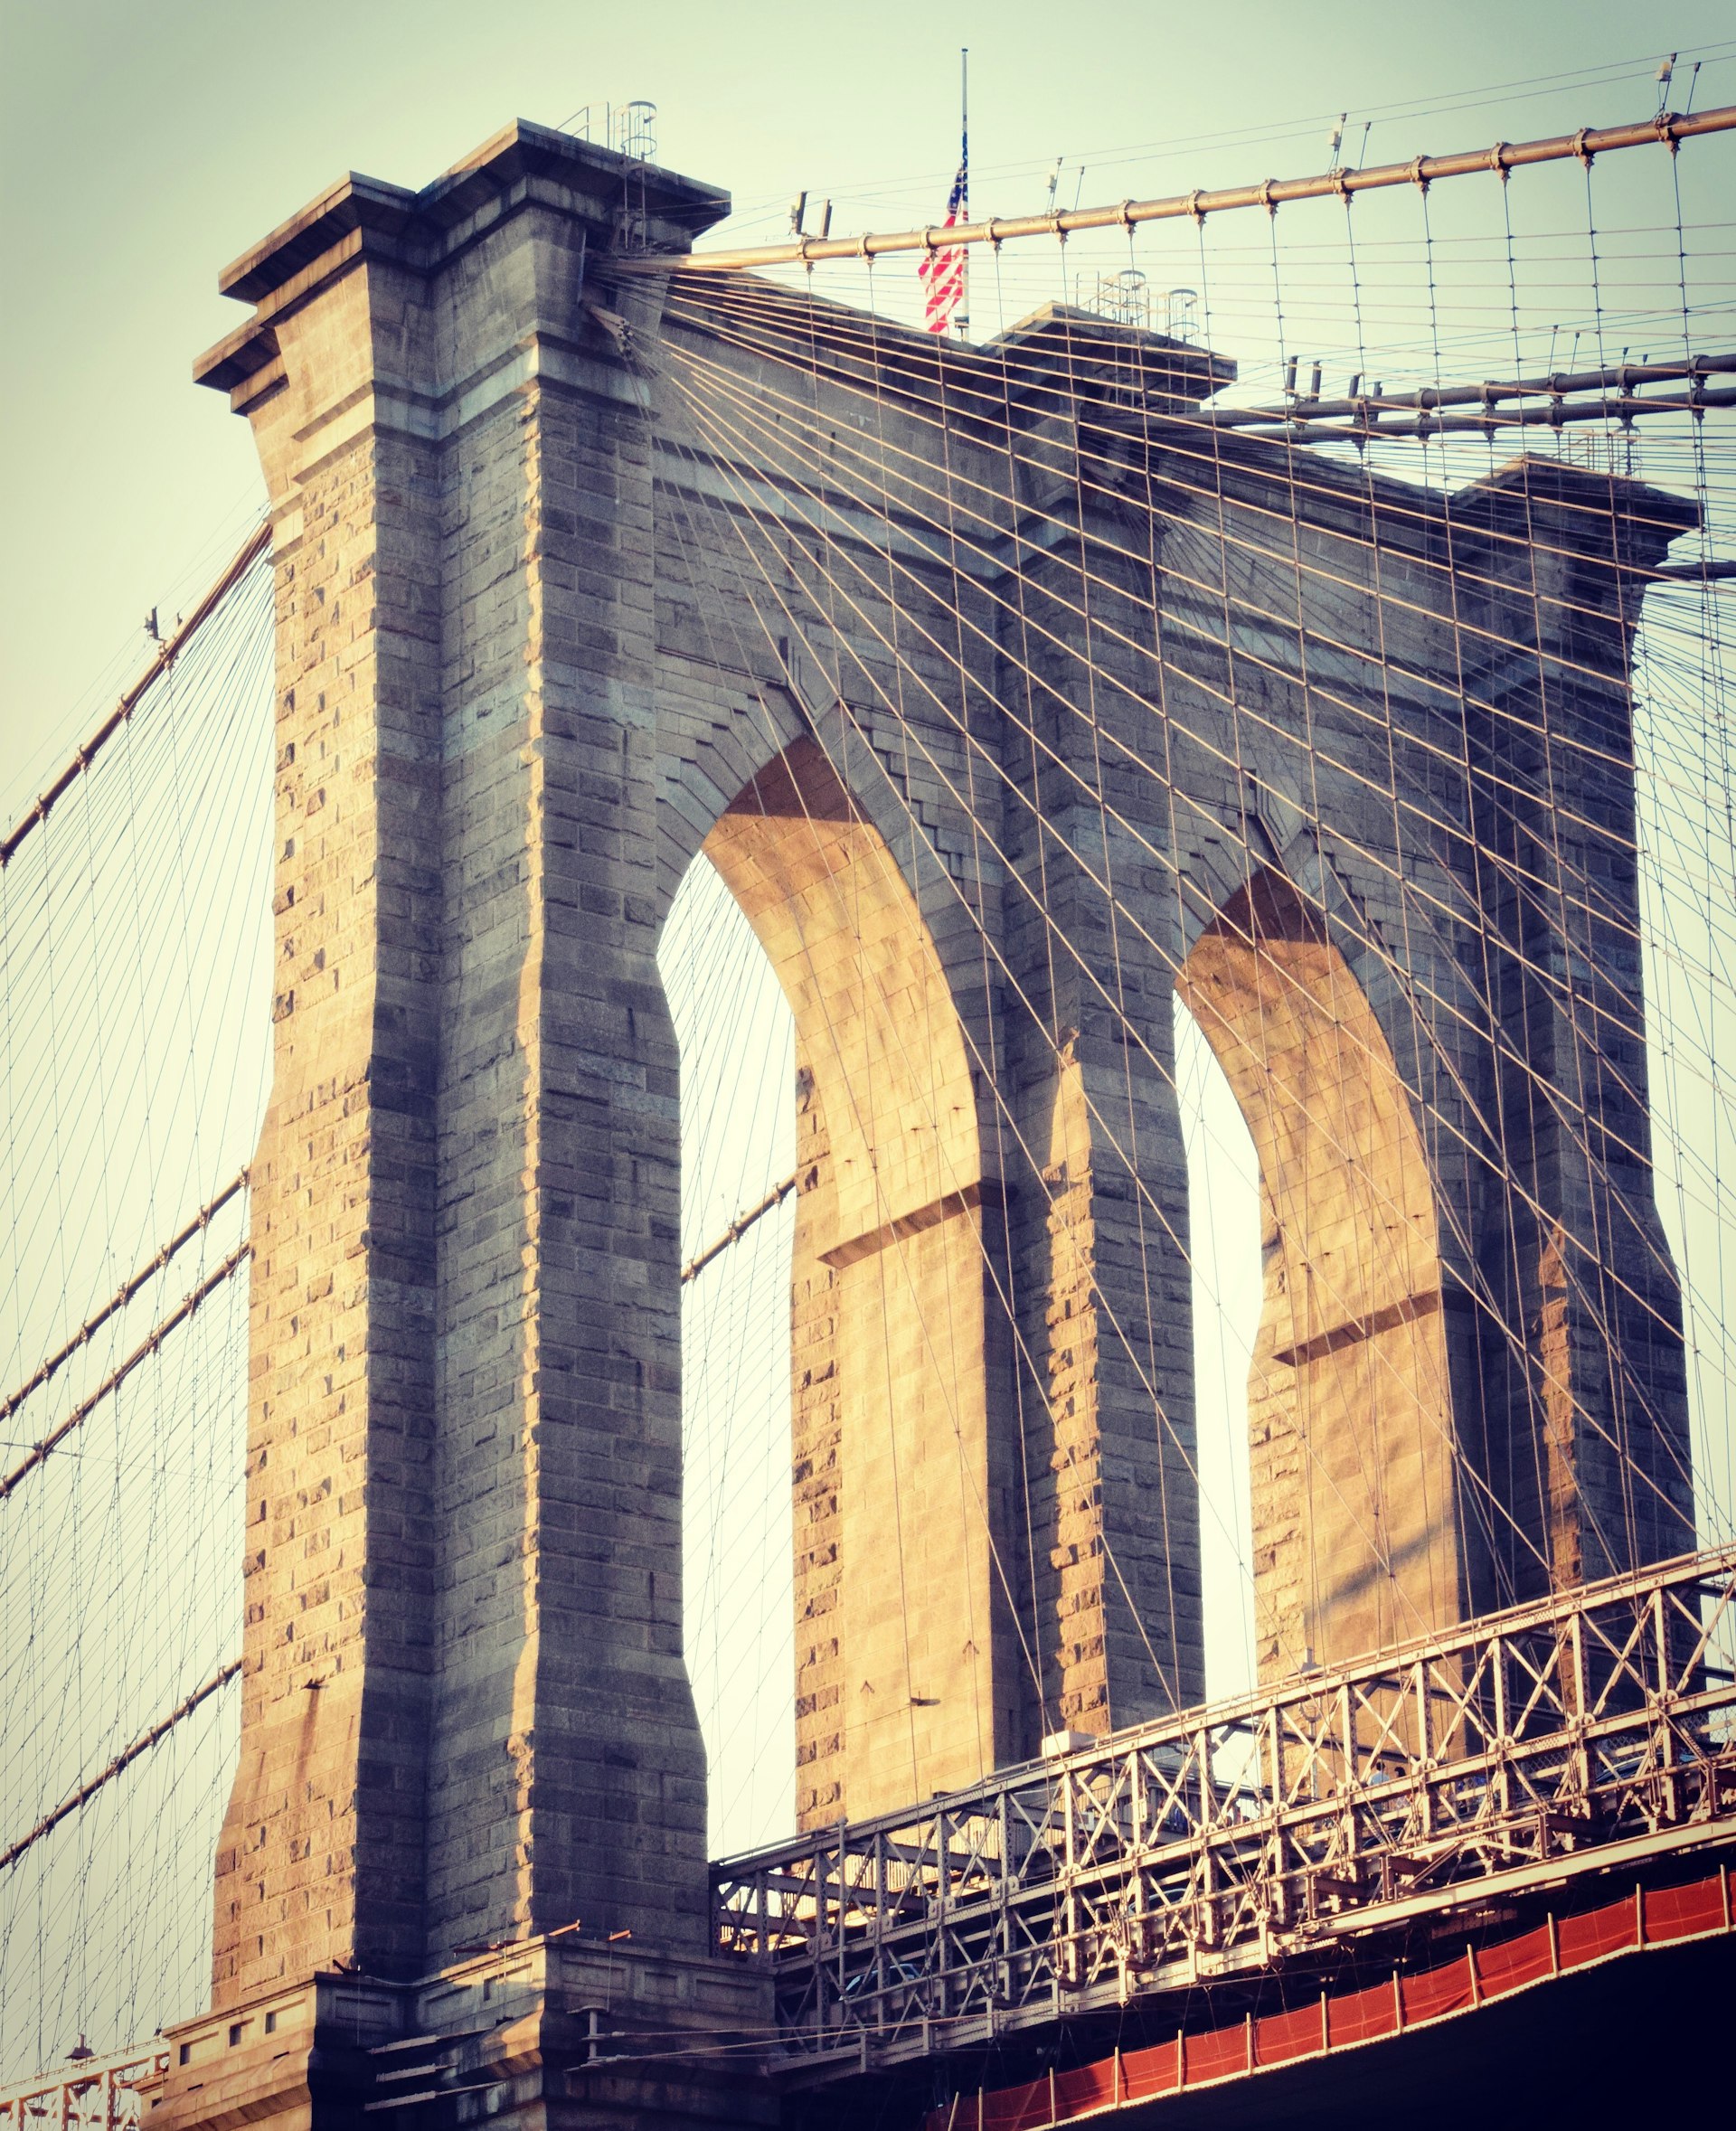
[556,2032]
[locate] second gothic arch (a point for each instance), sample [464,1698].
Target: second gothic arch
[1350,1410]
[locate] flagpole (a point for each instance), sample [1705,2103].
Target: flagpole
[963,319]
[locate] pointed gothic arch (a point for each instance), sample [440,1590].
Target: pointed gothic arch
[1355,1483]
[906,1670]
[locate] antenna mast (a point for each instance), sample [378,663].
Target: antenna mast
[963,318]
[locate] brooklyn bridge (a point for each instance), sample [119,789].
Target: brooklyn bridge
[651,646]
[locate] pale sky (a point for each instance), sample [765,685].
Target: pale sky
[141,147]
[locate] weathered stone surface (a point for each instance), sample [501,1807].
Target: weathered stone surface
[1073,706]
[466,1717]
[548,2030]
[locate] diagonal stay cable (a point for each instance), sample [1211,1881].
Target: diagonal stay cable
[1103,491]
[122,1761]
[1552,1095]
[117,1376]
[752,515]
[1121,1333]
[122,1295]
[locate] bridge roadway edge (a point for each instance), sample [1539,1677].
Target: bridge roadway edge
[512,2030]
[1637,2032]
[575,2036]
[508,2035]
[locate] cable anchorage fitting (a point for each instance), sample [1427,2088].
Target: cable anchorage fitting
[1419,175]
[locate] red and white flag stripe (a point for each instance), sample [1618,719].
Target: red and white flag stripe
[943,272]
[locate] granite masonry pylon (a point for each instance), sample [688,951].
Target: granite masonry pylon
[520,690]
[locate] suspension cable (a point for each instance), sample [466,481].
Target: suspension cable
[1667,129]
[122,1295]
[739,1227]
[143,1745]
[117,1377]
[245,555]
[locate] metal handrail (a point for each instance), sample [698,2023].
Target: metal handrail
[1591,1726]
[88,2094]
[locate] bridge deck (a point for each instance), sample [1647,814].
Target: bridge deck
[1313,2050]
[1582,1734]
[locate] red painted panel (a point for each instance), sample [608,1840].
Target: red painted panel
[1281,2036]
[1362,2015]
[1514,1963]
[1679,1912]
[1598,1932]
[1438,1991]
[1017,2109]
[1675,1912]
[1087,2087]
[1219,2054]
[1151,2071]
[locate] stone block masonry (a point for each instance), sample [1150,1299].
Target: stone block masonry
[569,595]
[467,1718]
[1142,711]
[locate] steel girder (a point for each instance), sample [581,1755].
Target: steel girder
[1593,1727]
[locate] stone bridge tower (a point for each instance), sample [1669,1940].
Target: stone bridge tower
[523,683]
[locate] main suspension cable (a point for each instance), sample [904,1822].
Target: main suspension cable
[1667,129]
[122,1295]
[245,556]
[142,1745]
[81,1413]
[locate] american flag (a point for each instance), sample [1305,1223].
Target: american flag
[943,272]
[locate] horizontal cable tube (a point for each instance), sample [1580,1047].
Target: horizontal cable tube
[1668,129]
[1490,392]
[81,1413]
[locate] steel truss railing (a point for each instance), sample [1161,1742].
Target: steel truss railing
[1595,1727]
[99,2094]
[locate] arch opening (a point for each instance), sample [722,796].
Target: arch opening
[905,1666]
[1352,1482]
[736,1038]
[1225,1278]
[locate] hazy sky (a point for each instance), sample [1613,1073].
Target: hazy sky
[142,147]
